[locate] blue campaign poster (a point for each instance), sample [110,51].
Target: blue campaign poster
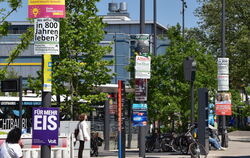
[140,115]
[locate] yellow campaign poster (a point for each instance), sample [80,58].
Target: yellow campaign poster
[47,73]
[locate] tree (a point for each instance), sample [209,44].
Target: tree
[80,67]
[169,97]
[237,37]
[25,38]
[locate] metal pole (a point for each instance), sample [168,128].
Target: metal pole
[183,16]
[192,102]
[129,125]
[155,28]
[142,130]
[224,142]
[119,113]
[106,125]
[223,51]
[20,101]
[46,102]
[142,16]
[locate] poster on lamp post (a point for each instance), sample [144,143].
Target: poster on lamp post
[46,8]
[223,82]
[142,67]
[223,66]
[47,73]
[223,74]
[141,43]
[140,115]
[140,89]
[223,104]
[46,36]
[45,125]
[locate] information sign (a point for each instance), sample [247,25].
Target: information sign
[45,125]
[46,36]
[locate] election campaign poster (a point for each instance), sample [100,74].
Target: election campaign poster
[141,89]
[140,115]
[47,73]
[223,66]
[223,104]
[45,125]
[46,8]
[142,67]
[141,44]
[46,36]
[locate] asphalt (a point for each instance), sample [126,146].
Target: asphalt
[238,147]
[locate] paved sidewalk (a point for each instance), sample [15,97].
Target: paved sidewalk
[239,147]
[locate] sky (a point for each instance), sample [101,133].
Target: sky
[168,11]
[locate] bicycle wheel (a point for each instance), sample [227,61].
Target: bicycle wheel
[166,144]
[184,143]
[149,146]
[197,150]
[175,144]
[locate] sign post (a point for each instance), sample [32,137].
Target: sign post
[46,41]
[142,74]
[223,99]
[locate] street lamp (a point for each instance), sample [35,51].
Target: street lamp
[184,5]
[189,66]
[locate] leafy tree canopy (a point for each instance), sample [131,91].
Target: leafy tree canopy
[169,93]
[237,35]
[80,67]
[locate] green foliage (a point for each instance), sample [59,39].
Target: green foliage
[237,24]
[169,93]
[237,35]
[4,14]
[80,64]
[9,74]
[25,38]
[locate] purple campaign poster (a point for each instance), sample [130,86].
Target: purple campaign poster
[45,125]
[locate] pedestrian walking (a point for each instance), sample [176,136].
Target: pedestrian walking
[82,135]
[11,148]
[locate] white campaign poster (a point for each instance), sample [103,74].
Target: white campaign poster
[223,66]
[223,82]
[142,67]
[46,36]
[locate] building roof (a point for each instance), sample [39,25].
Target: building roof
[110,20]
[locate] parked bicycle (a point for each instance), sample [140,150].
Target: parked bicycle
[195,148]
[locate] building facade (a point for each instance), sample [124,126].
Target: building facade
[118,34]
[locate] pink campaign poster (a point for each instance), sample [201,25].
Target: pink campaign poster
[46,9]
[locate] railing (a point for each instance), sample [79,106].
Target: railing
[65,148]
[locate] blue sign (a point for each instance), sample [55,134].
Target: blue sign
[45,125]
[140,115]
